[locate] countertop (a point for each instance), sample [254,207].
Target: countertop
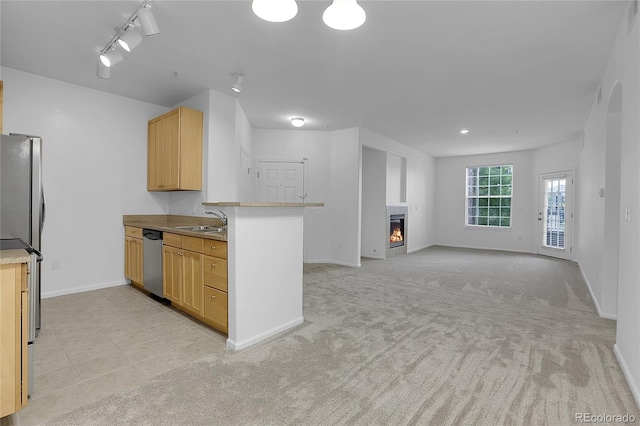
[242,204]
[167,223]
[13,256]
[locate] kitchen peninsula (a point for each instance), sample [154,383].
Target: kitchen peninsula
[265,266]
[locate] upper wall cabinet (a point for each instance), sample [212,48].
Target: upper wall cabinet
[175,151]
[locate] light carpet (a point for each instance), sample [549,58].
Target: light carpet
[442,336]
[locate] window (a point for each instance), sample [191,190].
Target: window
[489,190]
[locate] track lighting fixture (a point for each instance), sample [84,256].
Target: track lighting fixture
[275,10]
[237,86]
[127,37]
[341,15]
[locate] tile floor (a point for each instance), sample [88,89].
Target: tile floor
[96,343]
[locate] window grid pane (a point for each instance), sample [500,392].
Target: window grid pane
[489,190]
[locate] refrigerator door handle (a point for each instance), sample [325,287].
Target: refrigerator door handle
[42,209]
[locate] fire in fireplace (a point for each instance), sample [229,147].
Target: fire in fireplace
[396,230]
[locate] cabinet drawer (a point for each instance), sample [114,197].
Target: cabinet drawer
[215,248]
[131,231]
[173,240]
[193,244]
[215,273]
[215,308]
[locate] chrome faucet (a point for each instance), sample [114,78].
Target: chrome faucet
[220,215]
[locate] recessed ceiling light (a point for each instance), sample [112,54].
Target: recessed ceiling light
[297,121]
[464,131]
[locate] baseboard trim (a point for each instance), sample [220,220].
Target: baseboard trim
[593,297]
[334,262]
[236,346]
[635,391]
[48,294]
[419,248]
[482,248]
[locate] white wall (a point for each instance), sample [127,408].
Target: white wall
[396,179]
[94,171]
[374,212]
[420,187]
[624,67]
[450,196]
[344,200]
[244,143]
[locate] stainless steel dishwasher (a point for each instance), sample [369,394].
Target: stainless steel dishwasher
[152,266]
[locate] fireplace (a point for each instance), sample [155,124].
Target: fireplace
[397,227]
[396,230]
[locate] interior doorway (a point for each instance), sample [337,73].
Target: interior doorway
[555,214]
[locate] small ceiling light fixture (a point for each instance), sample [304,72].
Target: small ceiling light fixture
[237,86]
[464,131]
[127,37]
[344,15]
[297,121]
[275,10]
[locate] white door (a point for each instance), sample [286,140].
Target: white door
[280,181]
[555,214]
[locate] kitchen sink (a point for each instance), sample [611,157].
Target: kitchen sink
[206,229]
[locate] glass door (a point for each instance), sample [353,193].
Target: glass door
[555,214]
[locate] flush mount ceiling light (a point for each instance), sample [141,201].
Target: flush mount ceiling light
[127,38]
[297,121]
[344,15]
[275,10]
[237,86]
[464,131]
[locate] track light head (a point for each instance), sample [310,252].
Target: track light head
[147,20]
[237,86]
[130,39]
[103,70]
[111,57]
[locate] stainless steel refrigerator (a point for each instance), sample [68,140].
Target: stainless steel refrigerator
[22,210]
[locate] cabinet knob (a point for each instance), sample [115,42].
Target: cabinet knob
[180,254]
[213,297]
[213,247]
[213,265]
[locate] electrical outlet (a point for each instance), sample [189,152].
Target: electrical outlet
[55,264]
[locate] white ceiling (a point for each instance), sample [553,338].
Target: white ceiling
[519,74]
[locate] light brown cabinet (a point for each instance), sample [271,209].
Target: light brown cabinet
[187,278]
[175,151]
[14,328]
[133,255]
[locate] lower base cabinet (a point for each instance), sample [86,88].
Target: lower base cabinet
[186,278]
[14,326]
